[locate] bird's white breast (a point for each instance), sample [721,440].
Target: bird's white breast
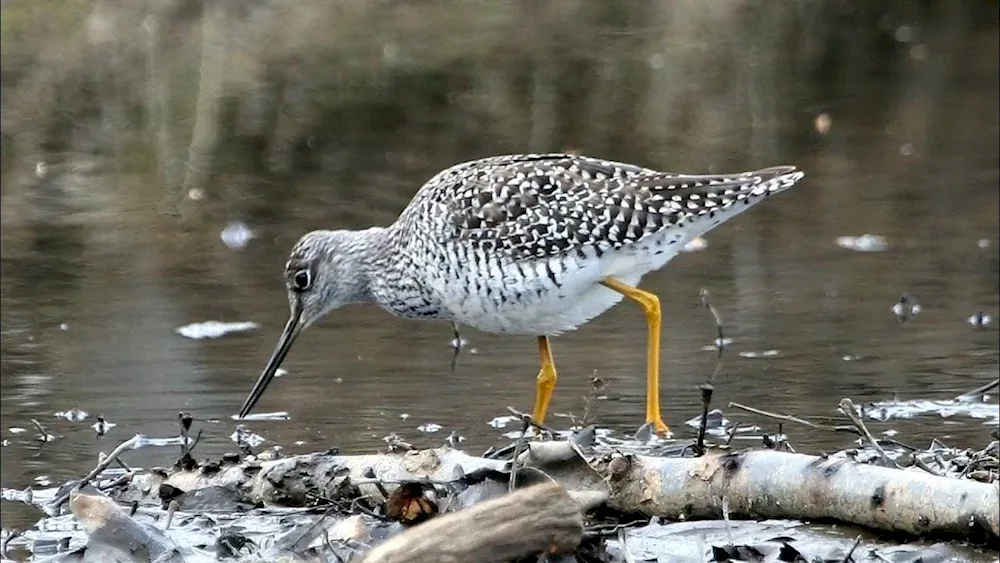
[552,295]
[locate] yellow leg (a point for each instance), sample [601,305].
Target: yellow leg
[546,380]
[651,305]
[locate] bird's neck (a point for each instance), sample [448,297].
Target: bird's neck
[365,250]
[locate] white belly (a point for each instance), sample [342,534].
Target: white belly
[537,305]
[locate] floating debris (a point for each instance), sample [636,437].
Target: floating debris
[429,427]
[43,481]
[454,439]
[864,243]
[906,308]
[16,430]
[502,421]
[280,372]
[895,409]
[236,235]
[102,426]
[980,320]
[716,425]
[404,415]
[983,243]
[213,329]
[764,354]
[72,415]
[64,326]
[243,436]
[277,415]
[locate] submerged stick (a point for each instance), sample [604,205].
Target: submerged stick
[847,407]
[979,391]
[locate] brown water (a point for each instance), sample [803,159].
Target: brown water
[99,269]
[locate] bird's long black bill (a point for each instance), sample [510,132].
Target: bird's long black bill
[288,336]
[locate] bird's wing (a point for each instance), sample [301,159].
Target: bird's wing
[535,206]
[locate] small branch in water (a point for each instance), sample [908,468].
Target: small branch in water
[596,386]
[847,407]
[732,433]
[531,421]
[706,400]
[979,391]
[715,315]
[46,435]
[790,418]
[104,463]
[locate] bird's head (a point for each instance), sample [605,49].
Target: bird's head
[325,271]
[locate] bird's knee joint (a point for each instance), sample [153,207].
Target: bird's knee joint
[547,376]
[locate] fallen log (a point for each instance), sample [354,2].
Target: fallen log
[771,484]
[749,484]
[116,536]
[542,518]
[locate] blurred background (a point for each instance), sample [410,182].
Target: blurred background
[160,158]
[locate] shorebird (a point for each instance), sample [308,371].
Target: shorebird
[530,244]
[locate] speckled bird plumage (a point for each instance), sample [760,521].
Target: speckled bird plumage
[519,243]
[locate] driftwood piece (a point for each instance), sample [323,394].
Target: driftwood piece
[539,519]
[114,535]
[771,484]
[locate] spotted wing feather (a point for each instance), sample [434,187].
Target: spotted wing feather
[534,206]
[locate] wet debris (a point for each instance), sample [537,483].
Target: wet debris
[973,404]
[214,329]
[246,438]
[906,308]
[454,439]
[752,354]
[980,320]
[43,433]
[72,415]
[102,426]
[502,421]
[864,243]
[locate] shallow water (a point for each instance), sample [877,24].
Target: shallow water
[95,284]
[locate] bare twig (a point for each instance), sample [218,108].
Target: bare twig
[732,433]
[171,508]
[847,407]
[706,400]
[46,435]
[705,300]
[596,386]
[790,418]
[850,552]
[531,421]
[104,463]
[979,391]
[518,447]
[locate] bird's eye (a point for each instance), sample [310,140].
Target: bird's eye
[302,280]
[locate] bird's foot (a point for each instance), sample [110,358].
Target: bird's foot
[654,427]
[660,427]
